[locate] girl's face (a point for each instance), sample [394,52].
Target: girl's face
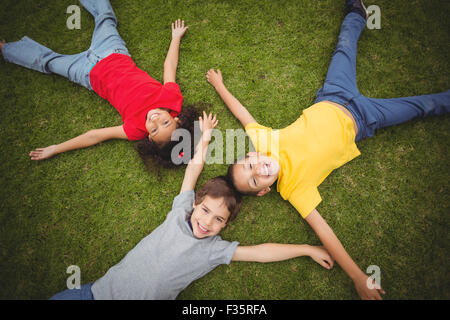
[209,217]
[255,173]
[160,125]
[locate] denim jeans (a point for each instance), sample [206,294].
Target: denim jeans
[370,114]
[105,40]
[84,293]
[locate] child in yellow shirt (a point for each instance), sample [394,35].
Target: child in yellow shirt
[303,154]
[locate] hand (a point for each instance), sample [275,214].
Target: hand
[321,256]
[207,123]
[364,292]
[178,29]
[214,78]
[43,153]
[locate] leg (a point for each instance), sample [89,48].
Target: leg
[340,83]
[375,114]
[84,293]
[30,54]
[106,38]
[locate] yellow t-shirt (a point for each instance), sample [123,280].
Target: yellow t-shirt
[319,141]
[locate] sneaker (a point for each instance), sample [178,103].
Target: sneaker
[356,6]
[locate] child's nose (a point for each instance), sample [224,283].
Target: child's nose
[209,221]
[260,170]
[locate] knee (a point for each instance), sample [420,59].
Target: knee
[106,18]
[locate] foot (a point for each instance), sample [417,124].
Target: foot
[356,6]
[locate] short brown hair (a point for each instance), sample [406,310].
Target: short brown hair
[220,187]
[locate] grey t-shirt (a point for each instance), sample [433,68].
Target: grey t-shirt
[166,261]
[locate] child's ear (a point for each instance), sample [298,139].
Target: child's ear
[177,120]
[263,192]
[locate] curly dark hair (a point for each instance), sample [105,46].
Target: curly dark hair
[152,153]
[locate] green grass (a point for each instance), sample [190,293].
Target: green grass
[389,207]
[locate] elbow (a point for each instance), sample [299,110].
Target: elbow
[169,66]
[93,136]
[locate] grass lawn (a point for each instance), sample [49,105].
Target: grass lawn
[389,207]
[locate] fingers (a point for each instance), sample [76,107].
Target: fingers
[208,120]
[375,293]
[178,24]
[37,154]
[212,72]
[330,262]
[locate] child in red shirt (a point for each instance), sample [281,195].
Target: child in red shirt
[150,111]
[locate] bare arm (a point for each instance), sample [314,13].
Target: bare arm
[271,252]
[337,251]
[87,139]
[195,165]
[236,108]
[171,62]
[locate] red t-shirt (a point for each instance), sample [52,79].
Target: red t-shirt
[133,92]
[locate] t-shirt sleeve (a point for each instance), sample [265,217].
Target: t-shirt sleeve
[222,251]
[305,201]
[260,136]
[173,87]
[132,132]
[184,201]
[171,98]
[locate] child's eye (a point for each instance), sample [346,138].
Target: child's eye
[254,181]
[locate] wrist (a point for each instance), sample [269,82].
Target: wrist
[220,85]
[358,276]
[55,149]
[206,137]
[307,249]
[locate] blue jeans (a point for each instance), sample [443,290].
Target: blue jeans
[105,40]
[370,114]
[84,293]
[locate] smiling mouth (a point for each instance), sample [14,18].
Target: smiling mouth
[201,229]
[153,116]
[266,167]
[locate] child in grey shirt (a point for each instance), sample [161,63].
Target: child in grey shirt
[187,245]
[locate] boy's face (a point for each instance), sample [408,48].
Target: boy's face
[255,173]
[209,217]
[160,125]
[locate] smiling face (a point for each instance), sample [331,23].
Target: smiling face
[160,125]
[209,217]
[255,174]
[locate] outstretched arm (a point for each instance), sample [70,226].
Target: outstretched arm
[195,165]
[171,62]
[87,139]
[271,252]
[337,251]
[238,110]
